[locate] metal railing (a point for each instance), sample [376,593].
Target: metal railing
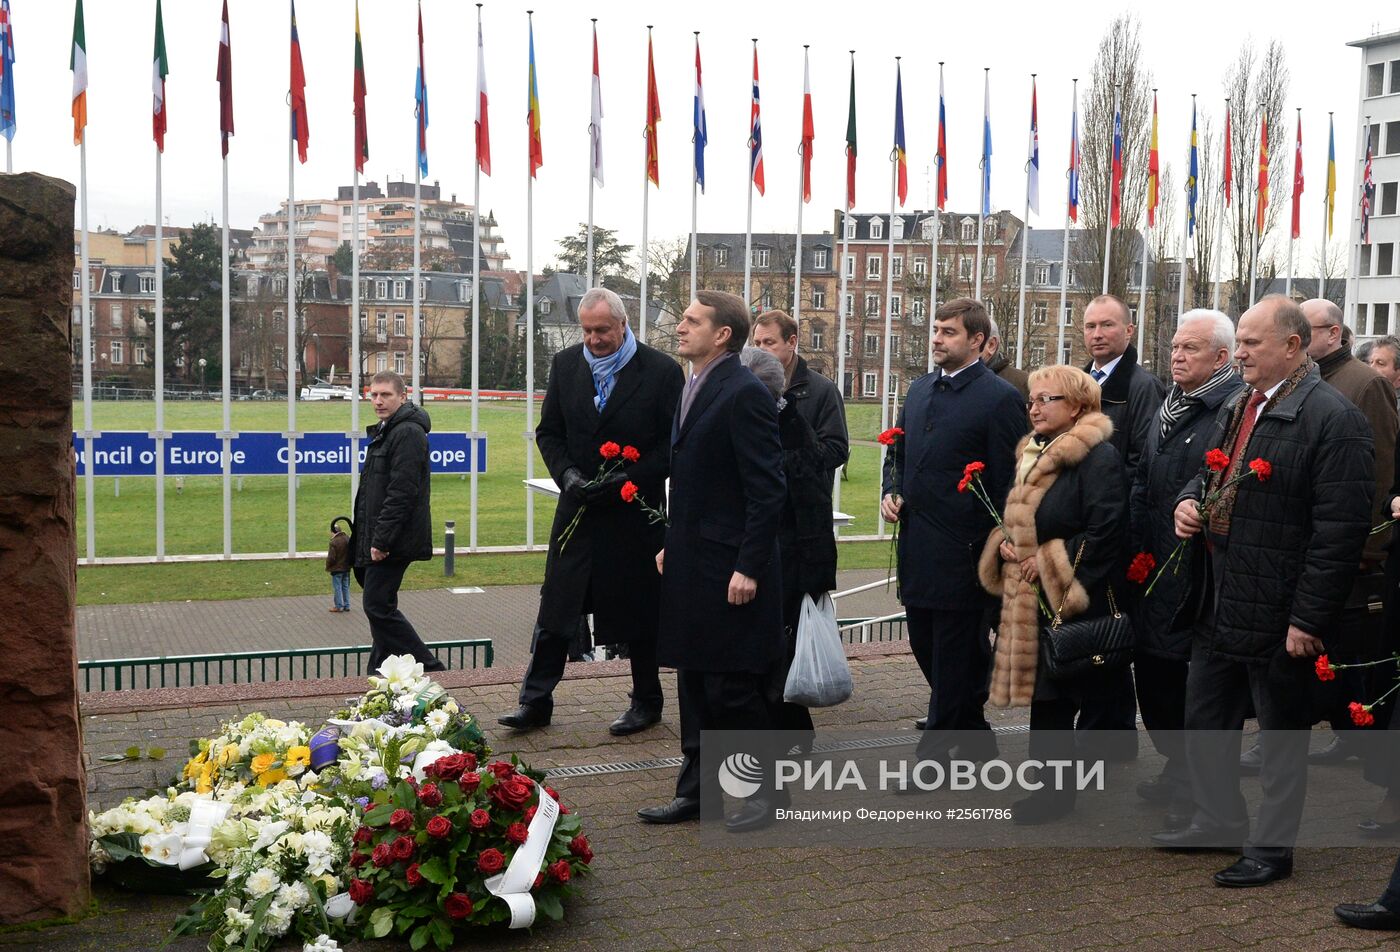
[863,631]
[251,667]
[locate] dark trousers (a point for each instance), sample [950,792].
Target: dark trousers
[392,633]
[1161,694]
[1218,693]
[1113,710]
[1052,738]
[785,715]
[716,701]
[954,653]
[551,651]
[1391,897]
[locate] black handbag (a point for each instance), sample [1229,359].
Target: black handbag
[1092,646]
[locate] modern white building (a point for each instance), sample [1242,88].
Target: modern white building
[1373,291]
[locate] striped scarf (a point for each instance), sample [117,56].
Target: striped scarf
[1178,401]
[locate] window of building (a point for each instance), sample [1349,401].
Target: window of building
[1042,274]
[1375,79]
[278,321]
[850,266]
[850,305]
[896,305]
[400,361]
[899,228]
[1365,267]
[116,282]
[1385,258]
[400,290]
[873,267]
[1040,312]
[917,308]
[768,300]
[868,384]
[381,289]
[1395,76]
[872,305]
[252,284]
[421,324]
[1380,319]
[850,227]
[1132,313]
[1037,353]
[894,345]
[400,324]
[381,362]
[897,267]
[991,229]
[1392,138]
[381,327]
[423,290]
[148,284]
[965,267]
[1173,280]
[926,228]
[989,268]
[1388,193]
[920,266]
[77,313]
[968,232]
[545,305]
[817,339]
[761,257]
[278,354]
[846,344]
[894,383]
[872,345]
[721,257]
[138,353]
[118,352]
[877,228]
[77,280]
[1374,130]
[819,298]
[464,291]
[243,360]
[116,315]
[1067,318]
[819,258]
[847,381]
[507,299]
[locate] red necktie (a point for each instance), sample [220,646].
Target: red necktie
[1251,413]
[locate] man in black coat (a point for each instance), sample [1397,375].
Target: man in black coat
[608,389]
[721,594]
[1270,577]
[1203,378]
[966,414]
[1131,399]
[393,521]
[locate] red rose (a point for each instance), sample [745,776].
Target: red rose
[361,891]
[429,795]
[363,835]
[580,848]
[491,861]
[890,436]
[631,454]
[551,791]
[539,881]
[609,450]
[383,855]
[1217,461]
[401,820]
[559,871]
[358,859]
[403,848]
[517,833]
[1141,567]
[457,906]
[1323,667]
[412,875]
[529,814]
[512,792]
[1262,468]
[439,827]
[564,811]
[501,769]
[629,491]
[471,760]
[448,768]
[1361,714]
[479,820]
[470,781]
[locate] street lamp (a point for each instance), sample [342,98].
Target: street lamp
[202,386]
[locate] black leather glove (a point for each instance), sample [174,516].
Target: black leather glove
[608,491]
[573,485]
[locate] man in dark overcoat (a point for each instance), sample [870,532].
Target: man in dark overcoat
[964,415]
[608,389]
[721,595]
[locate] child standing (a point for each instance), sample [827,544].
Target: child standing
[338,563]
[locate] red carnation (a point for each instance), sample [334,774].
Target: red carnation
[563,810]
[361,891]
[429,795]
[383,855]
[512,792]
[363,835]
[629,491]
[439,827]
[631,454]
[470,781]
[479,820]
[609,450]
[517,833]
[358,859]
[457,906]
[412,876]
[1323,667]
[551,791]
[401,820]
[501,769]
[973,468]
[491,861]
[530,813]
[1361,714]
[559,871]
[1262,468]
[890,436]
[1217,461]
[539,881]
[448,768]
[1140,569]
[403,848]
[963,483]
[580,848]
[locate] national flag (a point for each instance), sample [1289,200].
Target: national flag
[536,145]
[595,118]
[701,133]
[1115,182]
[1074,162]
[78,64]
[1229,157]
[1298,177]
[361,122]
[901,164]
[483,125]
[986,143]
[160,68]
[1262,204]
[225,78]
[301,128]
[940,158]
[1192,175]
[851,142]
[1033,165]
[1153,169]
[7,72]
[755,132]
[808,130]
[420,100]
[1368,193]
[1331,173]
[653,117]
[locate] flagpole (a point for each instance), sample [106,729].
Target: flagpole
[160,371]
[1185,232]
[530,308]
[841,305]
[291,360]
[1108,218]
[885,396]
[476,303]
[354,336]
[694,188]
[588,267]
[1025,251]
[932,286]
[982,208]
[1142,281]
[1292,240]
[88,486]
[1326,206]
[1220,222]
[801,182]
[748,212]
[1064,254]
[1254,252]
[646,198]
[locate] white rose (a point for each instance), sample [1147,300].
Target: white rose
[294,895]
[262,882]
[278,919]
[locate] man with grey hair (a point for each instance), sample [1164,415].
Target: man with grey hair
[1384,358]
[608,389]
[1001,365]
[1203,378]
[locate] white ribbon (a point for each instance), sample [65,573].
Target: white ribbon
[514,884]
[204,816]
[341,906]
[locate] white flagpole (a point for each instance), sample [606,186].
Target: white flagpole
[1142,281]
[1185,236]
[694,197]
[1064,255]
[530,331]
[841,305]
[1288,280]
[1326,190]
[886,398]
[1108,218]
[588,268]
[1025,255]
[748,212]
[646,197]
[1254,240]
[291,360]
[225,338]
[801,181]
[90,508]
[1217,248]
[476,313]
[417,278]
[932,285]
[982,208]
[160,369]
[355,337]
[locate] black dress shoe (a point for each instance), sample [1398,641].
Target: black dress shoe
[1371,915]
[632,721]
[1037,809]
[1253,872]
[525,718]
[1192,837]
[979,750]
[755,814]
[1251,760]
[1157,790]
[1378,830]
[921,724]
[1335,752]
[677,811]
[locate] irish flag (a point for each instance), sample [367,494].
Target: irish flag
[78,64]
[159,70]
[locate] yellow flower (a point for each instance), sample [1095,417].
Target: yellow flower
[228,755]
[205,783]
[271,776]
[263,763]
[298,756]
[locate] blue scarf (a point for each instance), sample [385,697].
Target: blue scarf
[605,369]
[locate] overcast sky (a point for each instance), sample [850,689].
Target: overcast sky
[1188,47]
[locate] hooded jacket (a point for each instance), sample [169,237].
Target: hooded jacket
[392,510]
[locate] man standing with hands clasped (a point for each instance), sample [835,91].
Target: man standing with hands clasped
[1270,575]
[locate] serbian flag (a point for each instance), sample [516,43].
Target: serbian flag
[361,123]
[1074,163]
[808,130]
[7,72]
[900,162]
[160,68]
[940,158]
[653,116]
[851,142]
[300,125]
[700,136]
[595,118]
[1331,173]
[1193,173]
[420,100]
[1229,157]
[225,78]
[1115,181]
[1262,204]
[1033,161]
[78,64]
[533,117]
[755,132]
[483,125]
[1153,169]
[1298,175]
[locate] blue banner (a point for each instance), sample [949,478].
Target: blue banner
[127,453]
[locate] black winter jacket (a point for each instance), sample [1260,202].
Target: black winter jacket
[1131,399]
[392,511]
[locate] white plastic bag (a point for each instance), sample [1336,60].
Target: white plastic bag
[819,675]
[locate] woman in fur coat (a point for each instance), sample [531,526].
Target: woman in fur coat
[1068,499]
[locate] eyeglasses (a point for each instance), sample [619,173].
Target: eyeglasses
[1045,399]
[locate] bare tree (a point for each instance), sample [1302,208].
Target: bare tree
[1209,208]
[1332,272]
